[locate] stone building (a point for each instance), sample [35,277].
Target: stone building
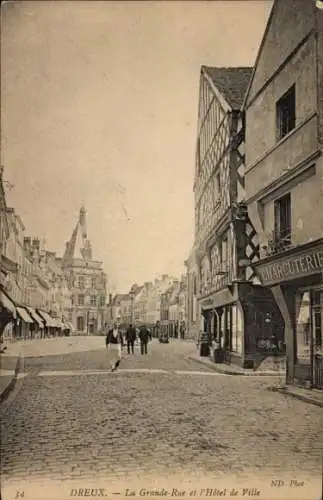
[194,320]
[284,177]
[8,267]
[225,245]
[113,312]
[86,279]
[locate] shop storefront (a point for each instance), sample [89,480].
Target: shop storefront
[24,322]
[295,279]
[242,320]
[38,327]
[8,316]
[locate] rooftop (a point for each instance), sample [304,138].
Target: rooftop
[232,83]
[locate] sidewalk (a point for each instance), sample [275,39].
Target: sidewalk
[10,368]
[55,346]
[312,396]
[234,370]
[12,359]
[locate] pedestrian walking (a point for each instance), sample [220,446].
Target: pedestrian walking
[144,337]
[131,338]
[114,344]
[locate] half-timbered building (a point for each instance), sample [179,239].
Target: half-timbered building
[233,306]
[284,177]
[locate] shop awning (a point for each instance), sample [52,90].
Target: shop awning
[23,314]
[7,303]
[58,323]
[50,322]
[35,317]
[68,325]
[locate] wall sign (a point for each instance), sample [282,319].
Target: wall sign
[291,267]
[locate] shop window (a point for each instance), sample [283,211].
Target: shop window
[285,113]
[236,330]
[283,218]
[317,306]
[303,328]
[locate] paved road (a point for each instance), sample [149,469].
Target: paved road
[161,416]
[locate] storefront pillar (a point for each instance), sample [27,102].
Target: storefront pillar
[286,310]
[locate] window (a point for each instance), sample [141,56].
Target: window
[237,330]
[81,282]
[224,253]
[81,300]
[303,328]
[93,300]
[283,218]
[316,304]
[285,113]
[102,301]
[218,184]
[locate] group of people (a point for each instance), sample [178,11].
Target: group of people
[115,341]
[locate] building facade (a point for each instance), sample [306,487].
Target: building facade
[87,281]
[284,177]
[8,268]
[234,309]
[194,323]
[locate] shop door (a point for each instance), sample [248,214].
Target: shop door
[317,318]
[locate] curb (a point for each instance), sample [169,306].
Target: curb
[286,392]
[5,393]
[232,372]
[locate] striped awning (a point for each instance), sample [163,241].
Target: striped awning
[35,317]
[68,326]
[50,322]
[23,314]
[7,303]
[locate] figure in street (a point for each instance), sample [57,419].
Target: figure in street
[144,337]
[131,338]
[114,344]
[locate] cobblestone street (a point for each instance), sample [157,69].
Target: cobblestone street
[160,416]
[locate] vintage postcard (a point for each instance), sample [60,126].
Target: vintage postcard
[161,249]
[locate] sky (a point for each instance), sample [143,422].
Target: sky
[99,107]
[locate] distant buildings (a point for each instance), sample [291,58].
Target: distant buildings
[147,305]
[86,279]
[42,294]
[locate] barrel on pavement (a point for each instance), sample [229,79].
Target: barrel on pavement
[204,345]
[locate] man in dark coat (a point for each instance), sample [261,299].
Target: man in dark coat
[144,337]
[131,337]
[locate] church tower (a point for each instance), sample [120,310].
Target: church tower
[87,280]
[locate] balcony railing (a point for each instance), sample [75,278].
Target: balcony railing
[278,242]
